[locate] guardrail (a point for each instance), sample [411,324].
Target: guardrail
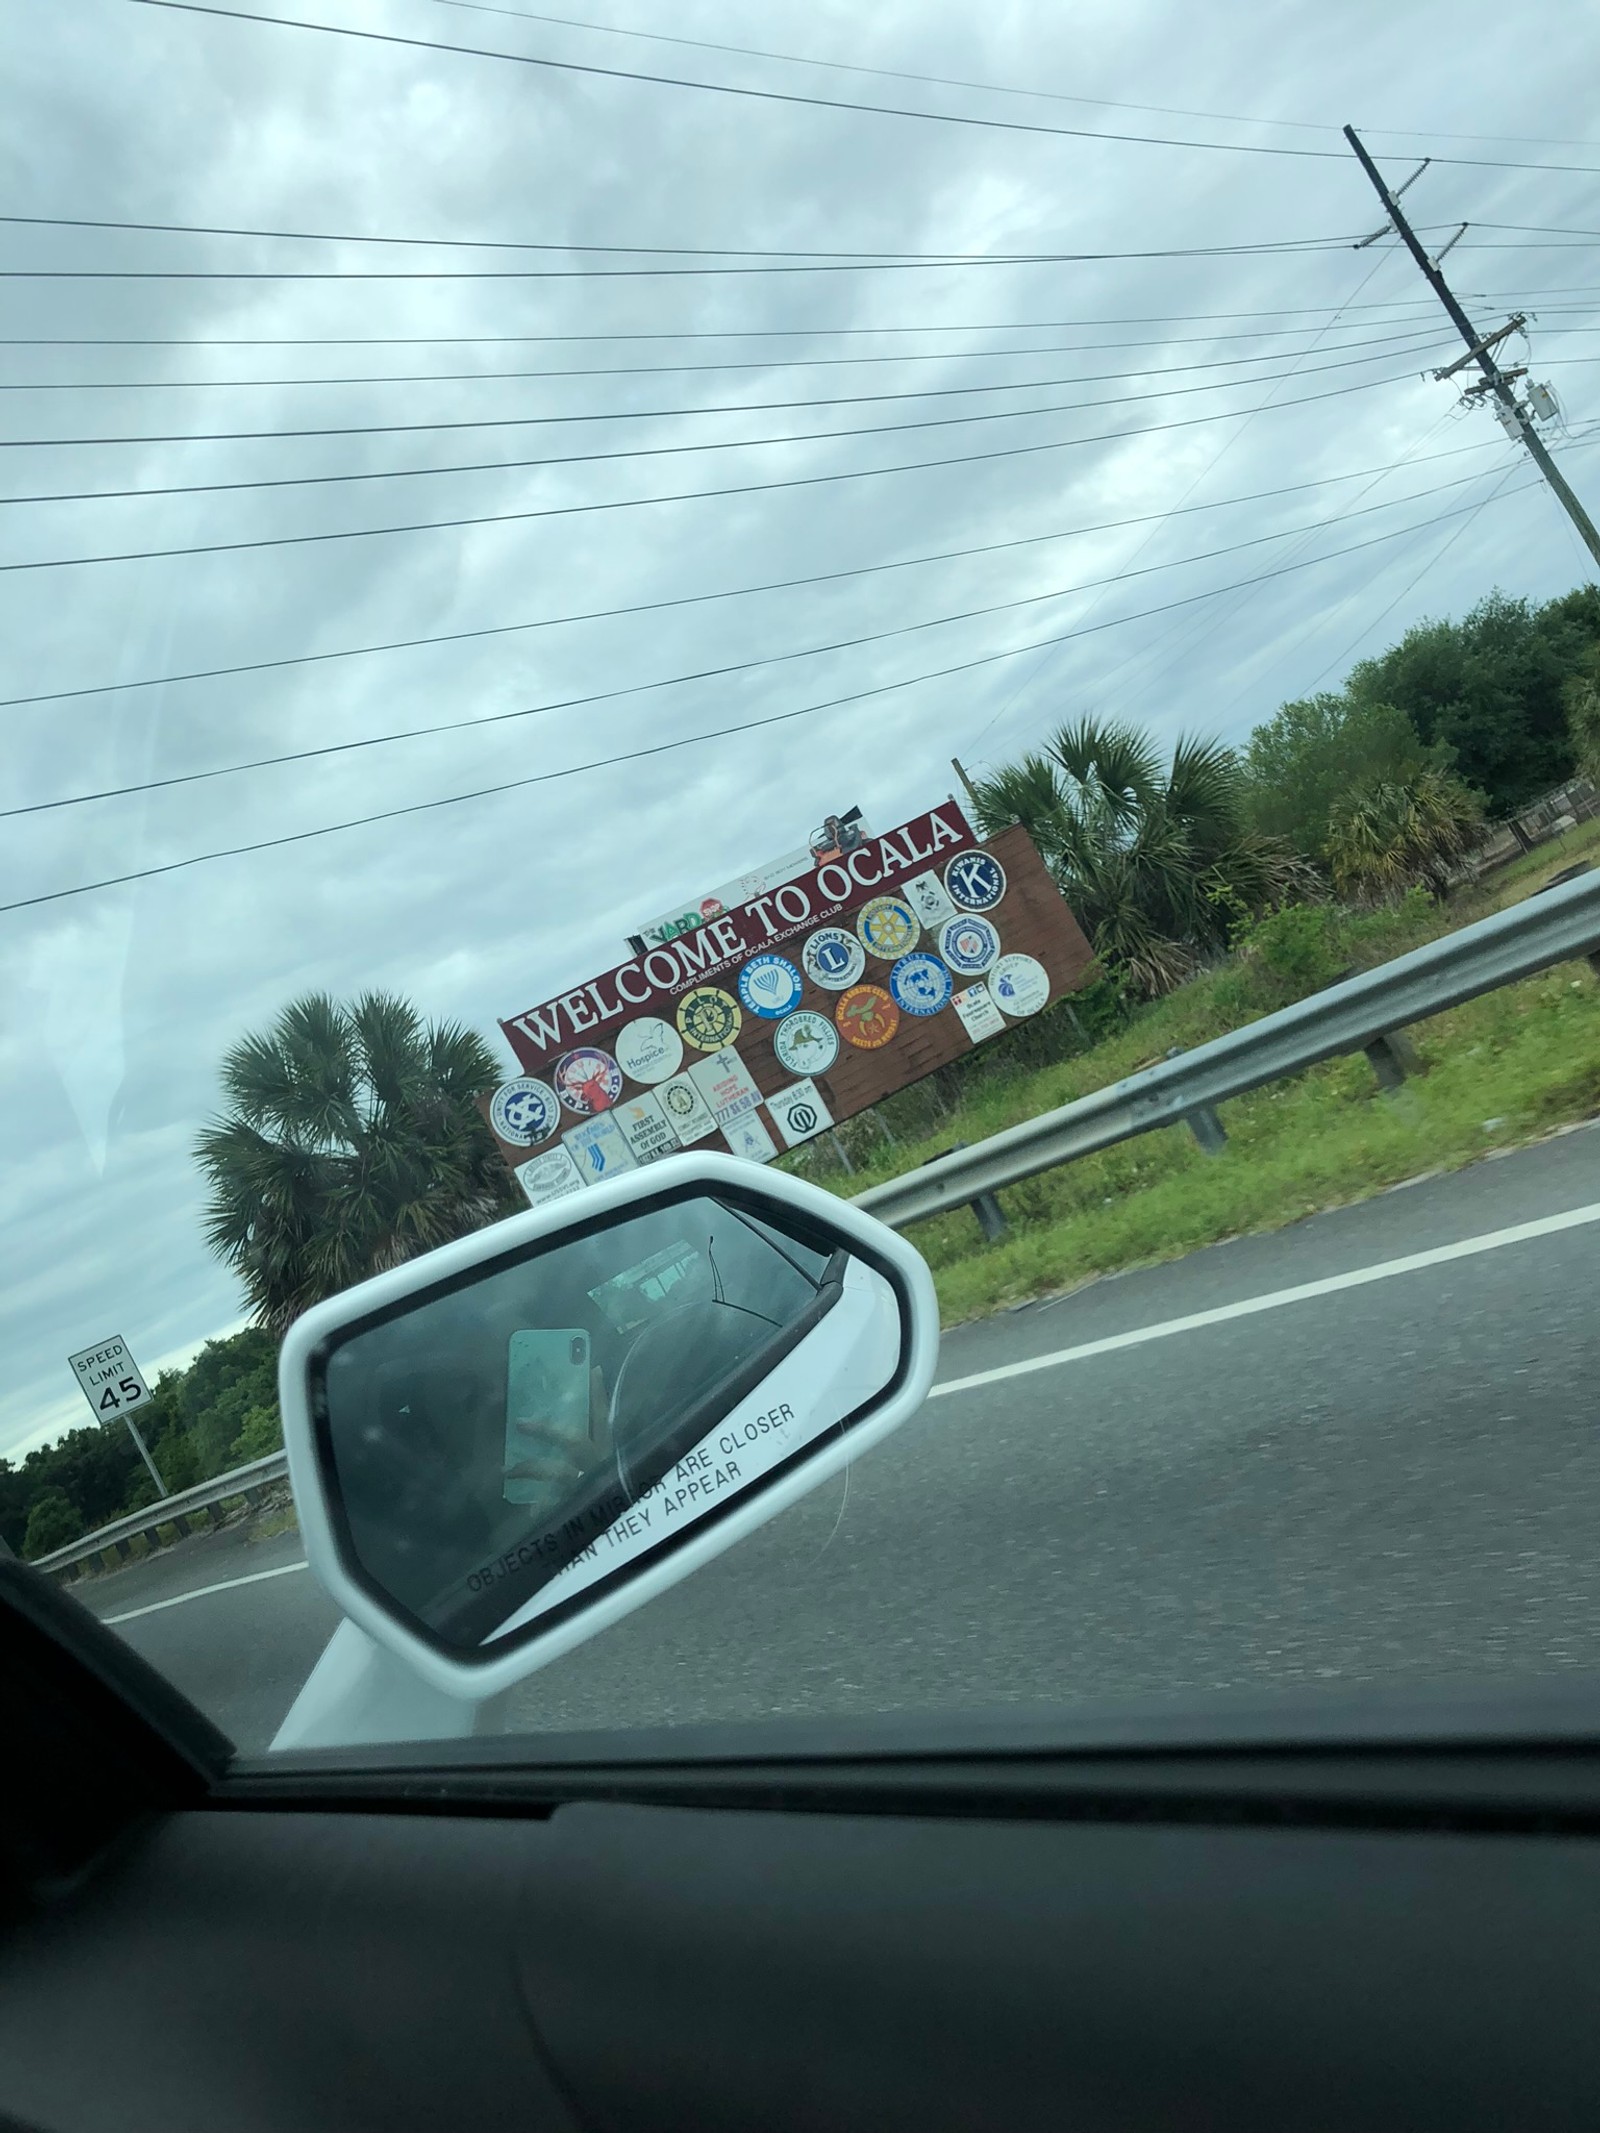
[1364,1014]
[250,1482]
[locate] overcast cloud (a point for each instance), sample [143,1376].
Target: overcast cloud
[118,1003]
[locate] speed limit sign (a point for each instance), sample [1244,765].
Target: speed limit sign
[113,1386]
[110,1378]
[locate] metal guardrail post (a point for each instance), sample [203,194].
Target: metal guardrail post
[985,1205]
[1392,1057]
[991,1218]
[1205,1123]
[1205,1120]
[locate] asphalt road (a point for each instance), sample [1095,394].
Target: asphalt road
[1392,1481]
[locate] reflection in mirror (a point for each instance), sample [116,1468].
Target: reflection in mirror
[540,1417]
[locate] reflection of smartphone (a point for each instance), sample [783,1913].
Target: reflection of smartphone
[547,1406]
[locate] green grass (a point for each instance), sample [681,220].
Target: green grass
[1519,875]
[271,1523]
[1500,1070]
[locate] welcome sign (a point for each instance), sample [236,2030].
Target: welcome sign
[808,1003]
[663,974]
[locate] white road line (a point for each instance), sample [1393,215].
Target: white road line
[203,1592]
[1492,1241]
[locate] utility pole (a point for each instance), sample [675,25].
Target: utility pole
[1480,350]
[966,782]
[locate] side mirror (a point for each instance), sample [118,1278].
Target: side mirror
[502,1447]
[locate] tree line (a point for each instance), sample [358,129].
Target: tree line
[1359,794]
[349,1140]
[220,1412]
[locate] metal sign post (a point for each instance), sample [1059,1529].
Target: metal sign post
[112,1385]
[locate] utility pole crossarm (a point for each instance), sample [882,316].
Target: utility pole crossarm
[1479,349]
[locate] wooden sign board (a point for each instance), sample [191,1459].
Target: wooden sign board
[795,1011]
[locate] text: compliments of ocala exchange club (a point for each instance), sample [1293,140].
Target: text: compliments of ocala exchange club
[795,908]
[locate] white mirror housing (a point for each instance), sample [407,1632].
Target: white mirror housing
[504,1446]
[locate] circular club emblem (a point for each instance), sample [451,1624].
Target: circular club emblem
[678,1101]
[969,945]
[920,984]
[806,1043]
[833,958]
[976,881]
[588,1081]
[524,1112]
[887,927]
[867,1017]
[1020,985]
[770,986]
[709,1018]
[649,1049]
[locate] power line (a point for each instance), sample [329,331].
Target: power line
[1411,306]
[634,503]
[839,66]
[946,81]
[670,414]
[820,103]
[766,96]
[519,244]
[1164,656]
[740,666]
[546,777]
[1410,587]
[1534,229]
[1228,444]
[818,259]
[1402,326]
[1296,250]
[1467,245]
[645,607]
[656,370]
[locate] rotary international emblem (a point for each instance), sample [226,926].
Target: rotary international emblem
[887,927]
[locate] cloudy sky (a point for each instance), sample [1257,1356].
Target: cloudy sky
[644,370]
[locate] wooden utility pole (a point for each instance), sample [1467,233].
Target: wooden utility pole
[966,783]
[1480,350]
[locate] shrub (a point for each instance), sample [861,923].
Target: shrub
[1302,944]
[262,1433]
[52,1522]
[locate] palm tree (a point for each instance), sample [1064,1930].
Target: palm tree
[1386,837]
[350,1143]
[1156,861]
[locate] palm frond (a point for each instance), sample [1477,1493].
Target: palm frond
[351,1143]
[1205,789]
[1111,761]
[1027,791]
[1386,837]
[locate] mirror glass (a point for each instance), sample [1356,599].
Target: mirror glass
[497,1445]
